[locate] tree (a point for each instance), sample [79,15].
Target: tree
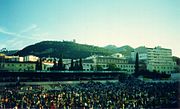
[76,67]
[80,65]
[99,68]
[55,65]
[39,64]
[177,69]
[60,65]
[137,64]
[92,68]
[71,68]
[112,67]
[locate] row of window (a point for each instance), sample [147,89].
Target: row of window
[88,65]
[165,71]
[128,70]
[16,64]
[105,65]
[126,66]
[111,61]
[12,65]
[157,67]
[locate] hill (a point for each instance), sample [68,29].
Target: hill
[65,48]
[125,50]
[111,47]
[8,52]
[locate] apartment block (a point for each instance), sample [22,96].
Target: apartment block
[156,59]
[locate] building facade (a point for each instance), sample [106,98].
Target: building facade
[156,59]
[91,63]
[14,58]
[2,57]
[30,58]
[6,58]
[17,66]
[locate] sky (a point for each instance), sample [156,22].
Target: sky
[136,23]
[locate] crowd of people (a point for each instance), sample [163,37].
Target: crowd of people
[130,93]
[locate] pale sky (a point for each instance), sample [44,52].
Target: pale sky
[96,22]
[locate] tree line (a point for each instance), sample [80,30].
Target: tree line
[60,66]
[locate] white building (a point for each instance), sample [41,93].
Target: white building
[49,62]
[30,58]
[88,65]
[17,66]
[92,62]
[142,52]
[13,58]
[117,55]
[158,59]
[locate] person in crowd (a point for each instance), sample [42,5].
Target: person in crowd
[131,93]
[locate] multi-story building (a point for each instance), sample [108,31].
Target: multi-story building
[92,62]
[156,59]
[88,65]
[6,58]
[30,58]
[17,66]
[2,57]
[160,59]
[14,58]
[117,55]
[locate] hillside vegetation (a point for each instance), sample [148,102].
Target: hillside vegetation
[125,50]
[65,48]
